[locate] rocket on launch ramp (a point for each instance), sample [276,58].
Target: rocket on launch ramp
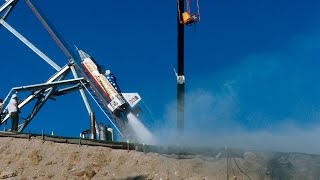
[119,104]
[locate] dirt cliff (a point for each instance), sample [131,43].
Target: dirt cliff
[34,158]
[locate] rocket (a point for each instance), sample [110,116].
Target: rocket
[106,84]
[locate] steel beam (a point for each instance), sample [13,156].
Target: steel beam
[30,45]
[180,63]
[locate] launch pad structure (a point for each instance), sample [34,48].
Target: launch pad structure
[85,81]
[88,78]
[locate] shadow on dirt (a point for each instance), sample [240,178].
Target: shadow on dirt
[136,178]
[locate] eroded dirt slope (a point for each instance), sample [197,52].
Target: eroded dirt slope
[34,159]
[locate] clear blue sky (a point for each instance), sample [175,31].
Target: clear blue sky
[251,65]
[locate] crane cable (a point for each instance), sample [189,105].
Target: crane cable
[198,10]
[179,14]
[188,6]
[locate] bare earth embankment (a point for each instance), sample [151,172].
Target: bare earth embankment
[34,159]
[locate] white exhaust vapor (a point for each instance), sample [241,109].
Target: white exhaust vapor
[142,133]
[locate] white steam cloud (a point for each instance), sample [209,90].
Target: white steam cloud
[142,133]
[268,102]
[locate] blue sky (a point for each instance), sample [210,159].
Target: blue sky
[251,66]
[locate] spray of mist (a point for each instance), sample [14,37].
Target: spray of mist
[269,101]
[141,132]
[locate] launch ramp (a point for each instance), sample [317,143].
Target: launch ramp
[58,85]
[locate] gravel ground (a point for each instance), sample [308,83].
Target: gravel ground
[34,159]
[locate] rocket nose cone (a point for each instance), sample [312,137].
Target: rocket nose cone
[83,55]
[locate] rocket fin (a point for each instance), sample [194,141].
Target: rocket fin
[132,98]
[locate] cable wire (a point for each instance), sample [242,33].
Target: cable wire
[234,160]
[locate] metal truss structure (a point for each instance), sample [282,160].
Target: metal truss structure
[57,84]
